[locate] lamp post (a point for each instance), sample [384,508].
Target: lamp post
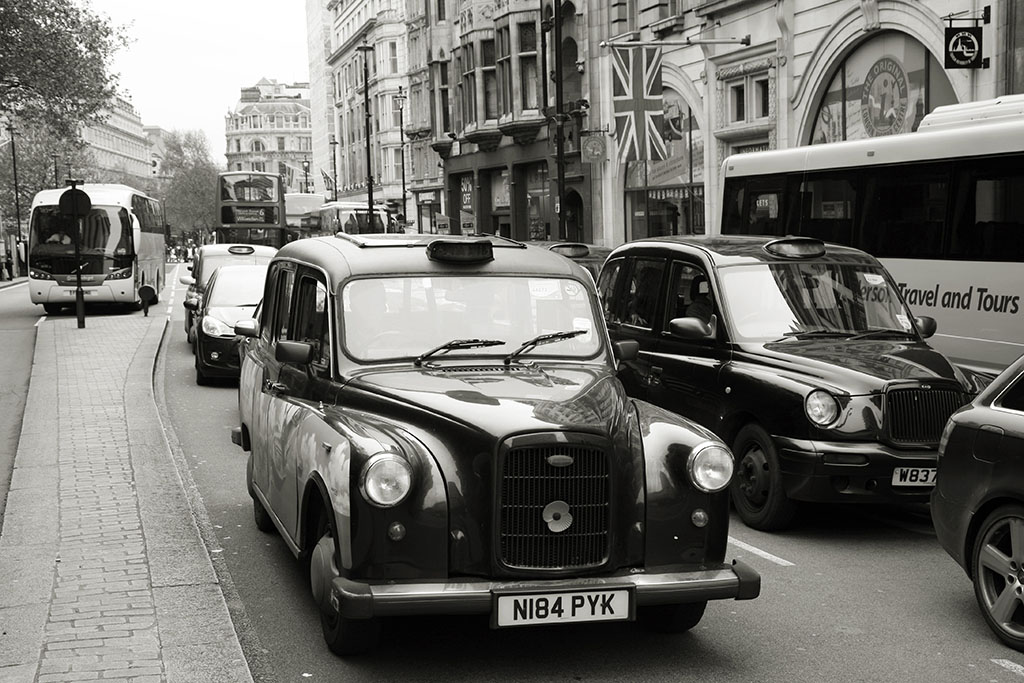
[305,175]
[56,181]
[17,202]
[334,166]
[400,99]
[367,51]
[559,123]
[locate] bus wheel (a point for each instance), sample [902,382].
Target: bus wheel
[52,309]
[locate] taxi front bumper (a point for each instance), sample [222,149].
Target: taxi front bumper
[356,600]
[850,472]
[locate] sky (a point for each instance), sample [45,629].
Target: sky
[186,60]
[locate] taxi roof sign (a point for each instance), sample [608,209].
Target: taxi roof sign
[796,247]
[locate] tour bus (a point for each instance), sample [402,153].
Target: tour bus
[121,247]
[250,209]
[943,208]
[350,217]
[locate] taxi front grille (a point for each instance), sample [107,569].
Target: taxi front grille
[918,415]
[553,510]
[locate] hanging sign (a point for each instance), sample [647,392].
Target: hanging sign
[963,48]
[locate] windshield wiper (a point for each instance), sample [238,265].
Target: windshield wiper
[883,331]
[542,339]
[801,334]
[455,344]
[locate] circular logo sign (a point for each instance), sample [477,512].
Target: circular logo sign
[963,48]
[883,102]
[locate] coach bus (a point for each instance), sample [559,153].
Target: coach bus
[250,209]
[943,208]
[121,246]
[351,217]
[302,214]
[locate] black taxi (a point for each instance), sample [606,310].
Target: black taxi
[435,425]
[799,354]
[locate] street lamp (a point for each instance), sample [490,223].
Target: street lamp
[400,103]
[56,181]
[305,175]
[367,51]
[334,166]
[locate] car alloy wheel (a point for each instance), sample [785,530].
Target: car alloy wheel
[997,564]
[757,491]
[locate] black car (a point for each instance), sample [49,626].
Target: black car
[232,294]
[207,260]
[978,503]
[801,355]
[435,425]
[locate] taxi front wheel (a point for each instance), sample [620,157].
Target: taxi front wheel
[343,636]
[757,491]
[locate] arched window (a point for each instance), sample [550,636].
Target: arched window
[884,87]
[257,146]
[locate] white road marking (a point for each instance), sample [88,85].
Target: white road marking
[39,322]
[760,553]
[1012,667]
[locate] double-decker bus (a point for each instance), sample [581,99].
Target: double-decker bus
[302,214]
[121,246]
[351,217]
[943,208]
[250,209]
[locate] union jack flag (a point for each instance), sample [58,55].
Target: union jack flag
[639,111]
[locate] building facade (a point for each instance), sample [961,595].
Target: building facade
[480,133]
[270,130]
[811,72]
[119,147]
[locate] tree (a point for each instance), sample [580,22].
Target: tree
[190,174]
[55,59]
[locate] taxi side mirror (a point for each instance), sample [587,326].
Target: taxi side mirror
[626,349]
[293,352]
[187,280]
[926,325]
[247,328]
[693,328]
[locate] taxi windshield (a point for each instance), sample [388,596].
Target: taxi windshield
[804,299]
[398,317]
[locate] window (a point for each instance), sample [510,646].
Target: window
[689,293]
[259,166]
[392,57]
[282,168]
[398,161]
[487,64]
[279,308]
[440,10]
[468,85]
[280,144]
[737,103]
[445,103]
[257,146]
[1013,398]
[762,102]
[528,64]
[396,111]
[311,320]
[988,220]
[504,69]
[606,289]
[644,290]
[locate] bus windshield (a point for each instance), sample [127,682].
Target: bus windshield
[106,232]
[772,301]
[245,187]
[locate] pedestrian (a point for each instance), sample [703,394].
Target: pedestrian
[9,266]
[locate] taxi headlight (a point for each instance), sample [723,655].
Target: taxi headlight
[386,480]
[710,467]
[212,327]
[821,407]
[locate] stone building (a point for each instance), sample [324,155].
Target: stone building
[119,147]
[269,130]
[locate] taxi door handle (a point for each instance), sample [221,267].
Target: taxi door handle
[272,387]
[992,429]
[654,379]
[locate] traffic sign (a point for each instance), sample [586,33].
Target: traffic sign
[75,202]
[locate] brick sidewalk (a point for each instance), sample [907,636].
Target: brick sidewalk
[103,574]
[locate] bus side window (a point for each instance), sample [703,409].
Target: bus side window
[989,220]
